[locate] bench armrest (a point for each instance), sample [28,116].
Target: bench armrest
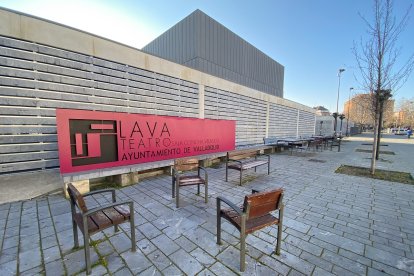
[232,160]
[99,192]
[174,172]
[110,190]
[268,156]
[204,170]
[106,206]
[229,203]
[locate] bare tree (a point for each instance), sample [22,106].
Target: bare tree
[376,58]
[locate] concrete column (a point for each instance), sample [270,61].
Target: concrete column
[297,125]
[126,179]
[201,101]
[82,186]
[267,119]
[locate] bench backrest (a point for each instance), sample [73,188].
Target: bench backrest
[262,203]
[186,164]
[76,198]
[241,154]
[270,140]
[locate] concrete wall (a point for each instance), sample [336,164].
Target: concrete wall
[44,66]
[328,123]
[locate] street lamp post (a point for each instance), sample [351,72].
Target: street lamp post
[341,117]
[335,115]
[337,97]
[347,117]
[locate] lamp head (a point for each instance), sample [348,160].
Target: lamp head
[340,71]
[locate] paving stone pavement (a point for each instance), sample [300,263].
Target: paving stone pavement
[334,224]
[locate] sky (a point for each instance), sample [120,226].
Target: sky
[312,39]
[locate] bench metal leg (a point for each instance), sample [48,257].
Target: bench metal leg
[173,186]
[75,234]
[218,222]
[227,171]
[86,247]
[206,192]
[241,176]
[243,246]
[132,226]
[198,189]
[279,231]
[177,192]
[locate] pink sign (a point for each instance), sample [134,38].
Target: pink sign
[91,140]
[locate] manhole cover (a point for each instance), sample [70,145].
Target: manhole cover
[317,160]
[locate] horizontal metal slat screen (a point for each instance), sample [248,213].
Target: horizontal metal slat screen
[306,123]
[282,121]
[249,113]
[36,79]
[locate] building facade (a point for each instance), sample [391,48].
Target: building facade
[200,42]
[46,66]
[360,109]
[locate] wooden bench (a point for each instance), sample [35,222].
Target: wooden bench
[311,144]
[91,221]
[245,159]
[253,215]
[316,144]
[186,172]
[336,142]
[275,143]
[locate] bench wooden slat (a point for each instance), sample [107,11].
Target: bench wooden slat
[186,164]
[263,202]
[115,216]
[251,224]
[247,165]
[92,227]
[237,155]
[191,180]
[101,220]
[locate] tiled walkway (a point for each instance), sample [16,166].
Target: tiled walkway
[334,224]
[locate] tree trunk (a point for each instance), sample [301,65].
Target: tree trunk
[374,145]
[381,111]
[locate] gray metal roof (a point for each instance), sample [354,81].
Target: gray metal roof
[200,42]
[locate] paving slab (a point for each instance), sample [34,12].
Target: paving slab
[334,224]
